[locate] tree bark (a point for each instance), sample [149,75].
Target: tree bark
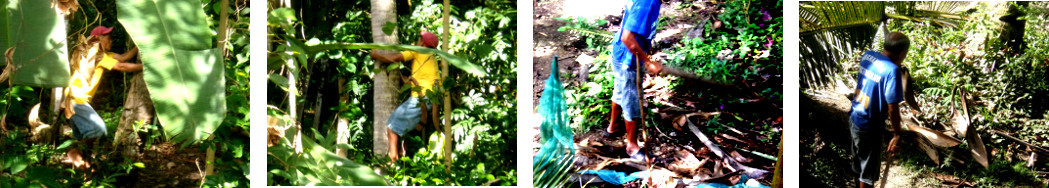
[342,133]
[447,98]
[1013,28]
[137,107]
[387,83]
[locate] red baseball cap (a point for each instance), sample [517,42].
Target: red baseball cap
[429,39]
[101,30]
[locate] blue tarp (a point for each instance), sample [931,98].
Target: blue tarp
[620,178]
[741,184]
[616,177]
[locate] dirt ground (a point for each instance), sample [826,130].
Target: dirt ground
[674,153]
[166,165]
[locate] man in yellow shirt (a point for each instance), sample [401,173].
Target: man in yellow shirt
[410,114]
[86,123]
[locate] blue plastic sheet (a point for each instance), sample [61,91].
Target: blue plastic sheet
[741,184]
[616,177]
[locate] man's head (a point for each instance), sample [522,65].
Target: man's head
[896,46]
[427,39]
[102,32]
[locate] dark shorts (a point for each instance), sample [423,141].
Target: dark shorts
[866,151]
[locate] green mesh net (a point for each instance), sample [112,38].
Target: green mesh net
[552,164]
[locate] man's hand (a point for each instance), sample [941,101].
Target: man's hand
[892,144]
[654,66]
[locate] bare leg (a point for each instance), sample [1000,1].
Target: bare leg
[612,128]
[864,185]
[631,136]
[75,157]
[394,147]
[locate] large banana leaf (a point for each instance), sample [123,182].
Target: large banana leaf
[38,35]
[317,165]
[182,71]
[454,60]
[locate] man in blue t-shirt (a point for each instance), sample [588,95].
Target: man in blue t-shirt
[633,47]
[879,91]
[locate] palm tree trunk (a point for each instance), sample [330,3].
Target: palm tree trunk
[447,98]
[1013,28]
[342,133]
[386,83]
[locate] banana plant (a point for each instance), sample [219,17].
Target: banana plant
[181,67]
[33,37]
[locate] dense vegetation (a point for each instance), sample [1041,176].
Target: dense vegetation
[27,162]
[325,55]
[955,47]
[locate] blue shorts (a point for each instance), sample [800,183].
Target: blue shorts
[624,90]
[866,151]
[86,122]
[406,117]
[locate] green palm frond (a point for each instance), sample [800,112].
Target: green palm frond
[831,32]
[826,16]
[945,7]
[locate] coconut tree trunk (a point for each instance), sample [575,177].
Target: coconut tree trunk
[386,82]
[342,133]
[137,107]
[1013,28]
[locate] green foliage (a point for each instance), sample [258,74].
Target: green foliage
[1003,90]
[231,141]
[591,100]
[316,165]
[731,56]
[37,34]
[1009,83]
[457,61]
[589,29]
[484,114]
[180,62]
[24,164]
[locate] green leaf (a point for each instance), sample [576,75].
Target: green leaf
[389,27]
[281,81]
[139,165]
[454,60]
[282,16]
[65,144]
[18,164]
[181,68]
[38,36]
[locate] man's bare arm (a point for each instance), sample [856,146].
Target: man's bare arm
[632,44]
[127,67]
[384,57]
[126,56]
[894,121]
